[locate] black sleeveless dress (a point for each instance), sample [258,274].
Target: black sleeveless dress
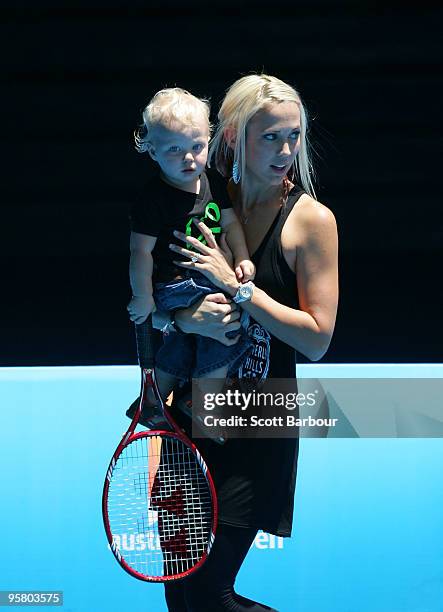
[255,478]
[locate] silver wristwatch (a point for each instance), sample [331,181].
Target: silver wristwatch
[244,292]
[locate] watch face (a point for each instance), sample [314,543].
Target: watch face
[244,292]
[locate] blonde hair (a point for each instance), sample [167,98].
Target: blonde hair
[242,101]
[168,106]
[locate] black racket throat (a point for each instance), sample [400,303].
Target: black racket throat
[149,381]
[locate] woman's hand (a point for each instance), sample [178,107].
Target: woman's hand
[213,316]
[210,259]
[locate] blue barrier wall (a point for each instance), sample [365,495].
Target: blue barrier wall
[368,529]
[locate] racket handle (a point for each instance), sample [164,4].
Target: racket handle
[147,341]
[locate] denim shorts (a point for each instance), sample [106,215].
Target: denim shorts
[188,356]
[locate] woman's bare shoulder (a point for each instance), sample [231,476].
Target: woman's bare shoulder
[311,215]
[310,227]
[309,221]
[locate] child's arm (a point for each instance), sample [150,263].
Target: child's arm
[244,268]
[140,275]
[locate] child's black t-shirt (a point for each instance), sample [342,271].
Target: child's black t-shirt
[162,208]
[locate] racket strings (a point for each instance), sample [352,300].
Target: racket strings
[159,506]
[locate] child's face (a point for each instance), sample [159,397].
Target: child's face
[181,152]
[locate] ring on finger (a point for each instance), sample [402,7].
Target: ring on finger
[195,258]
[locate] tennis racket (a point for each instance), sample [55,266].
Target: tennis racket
[159,501]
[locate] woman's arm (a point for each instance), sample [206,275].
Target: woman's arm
[308,330]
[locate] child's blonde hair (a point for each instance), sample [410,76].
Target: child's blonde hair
[242,101]
[168,106]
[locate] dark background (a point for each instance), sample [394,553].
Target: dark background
[76,79]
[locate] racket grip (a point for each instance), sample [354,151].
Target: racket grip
[146,343]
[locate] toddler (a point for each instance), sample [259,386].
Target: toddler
[175,133]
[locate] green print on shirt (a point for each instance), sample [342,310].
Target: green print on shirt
[212,215]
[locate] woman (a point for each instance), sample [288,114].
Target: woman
[261,146]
